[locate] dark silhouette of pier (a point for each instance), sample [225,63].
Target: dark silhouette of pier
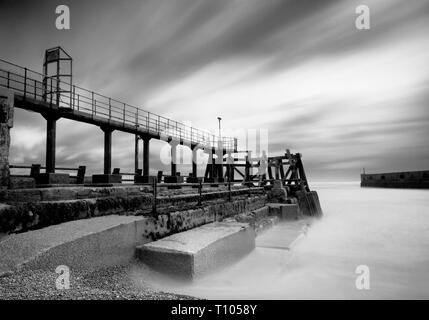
[55,98]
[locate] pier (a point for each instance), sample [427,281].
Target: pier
[109,219]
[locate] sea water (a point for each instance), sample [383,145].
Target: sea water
[385,230]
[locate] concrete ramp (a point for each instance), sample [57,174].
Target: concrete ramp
[84,244]
[193,253]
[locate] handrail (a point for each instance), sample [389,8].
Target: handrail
[33,84]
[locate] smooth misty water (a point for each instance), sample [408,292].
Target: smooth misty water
[385,229]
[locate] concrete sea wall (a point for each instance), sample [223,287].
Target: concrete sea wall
[108,240]
[24,216]
[6,123]
[409,179]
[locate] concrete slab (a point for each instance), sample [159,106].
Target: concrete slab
[83,244]
[283,235]
[196,252]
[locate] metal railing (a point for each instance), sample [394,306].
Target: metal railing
[200,185]
[32,84]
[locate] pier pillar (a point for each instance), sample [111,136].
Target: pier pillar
[136,154]
[6,123]
[107,177]
[146,143]
[175,177]
[107,150]
[173,159]
[51,136]
[50,177]
[194,162]
[209,174]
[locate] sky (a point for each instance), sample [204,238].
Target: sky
[299,72]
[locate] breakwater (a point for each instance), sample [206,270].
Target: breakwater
[409,179]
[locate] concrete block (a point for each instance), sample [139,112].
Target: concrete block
[107,178]
[145,179]
[289,212]
[22,183]
[193,179]
[24,195]
[56,194]
[261,212]
[52,178]
[284,211]
[191,254]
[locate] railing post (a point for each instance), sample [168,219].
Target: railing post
[73,95]
[35,88]
[78,101]
[8,79]
[110,108]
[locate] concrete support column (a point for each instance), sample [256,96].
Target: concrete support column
[6,123]
[107,150]
[136,154]
[173,158]
[51,136]
[146,143]
[194,162]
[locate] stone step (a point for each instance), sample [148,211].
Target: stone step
[191,254]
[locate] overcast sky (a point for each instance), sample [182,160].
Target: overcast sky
[299,70]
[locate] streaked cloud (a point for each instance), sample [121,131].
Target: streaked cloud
[345,98]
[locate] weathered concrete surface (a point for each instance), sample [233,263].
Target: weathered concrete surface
[52,178]
[36,214]
[17,182]
[73,193]
[6,123]
[196,252]
[284,235]
[88,244]
[284,211]
[104,241]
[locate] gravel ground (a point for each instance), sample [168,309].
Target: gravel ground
[108,284]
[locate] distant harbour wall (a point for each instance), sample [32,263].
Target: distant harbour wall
[406,180]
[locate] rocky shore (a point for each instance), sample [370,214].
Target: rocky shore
[108,284]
